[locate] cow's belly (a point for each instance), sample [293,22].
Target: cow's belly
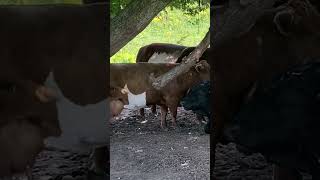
[83,127]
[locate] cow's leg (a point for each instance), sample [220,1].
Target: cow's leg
[154,109]
[164,111]
[29,173]
[173,111]
[200,118]
[280,173]
[142,112]
[208,126]
[100,166]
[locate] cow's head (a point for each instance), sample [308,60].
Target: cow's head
[203,70]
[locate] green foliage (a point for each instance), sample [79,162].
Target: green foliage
[170,26]
[27,2]
[117,6]
[190,7]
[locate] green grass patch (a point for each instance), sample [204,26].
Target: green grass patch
[170,26]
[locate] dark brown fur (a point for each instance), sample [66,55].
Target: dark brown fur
[66,39]
[259,54]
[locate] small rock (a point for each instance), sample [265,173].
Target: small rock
[46,178]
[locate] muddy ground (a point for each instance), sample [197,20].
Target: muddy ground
[140,150]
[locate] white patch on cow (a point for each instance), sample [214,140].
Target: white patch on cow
[135,101]
[83,127]
[163,58]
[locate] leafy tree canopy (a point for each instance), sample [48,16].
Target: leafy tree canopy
[190,7]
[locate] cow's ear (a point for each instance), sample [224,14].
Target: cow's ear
[45,94]
[284,21]
[202,66]
[199,67]
[125,89]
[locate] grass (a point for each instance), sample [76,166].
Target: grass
[170,26]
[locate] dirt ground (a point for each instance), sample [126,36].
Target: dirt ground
[140,150]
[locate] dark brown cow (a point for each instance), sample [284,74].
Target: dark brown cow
[68,41]
[278,40]
[128,80]
[153,52]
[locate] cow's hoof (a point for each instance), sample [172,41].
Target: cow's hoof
[97,176]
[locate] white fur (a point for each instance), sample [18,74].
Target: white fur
[135,101]
[83,127]
[163,58]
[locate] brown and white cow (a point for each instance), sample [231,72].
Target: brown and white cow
[62,47]
[132,84]
[278,40]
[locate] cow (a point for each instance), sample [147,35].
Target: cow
[28,116]
[165,53]
[197,99]
[132,84]
[281,120]
[278,40]
[63,47]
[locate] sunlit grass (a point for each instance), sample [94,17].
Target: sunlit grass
[170,26]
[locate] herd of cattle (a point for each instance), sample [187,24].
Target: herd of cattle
[266,85]
[129,82]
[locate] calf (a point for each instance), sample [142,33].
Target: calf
[28,116]
[132,84]
[279,39]
[281,121]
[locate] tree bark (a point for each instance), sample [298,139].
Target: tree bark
[187,62]
[132,20]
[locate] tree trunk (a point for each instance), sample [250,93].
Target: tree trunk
[132,20]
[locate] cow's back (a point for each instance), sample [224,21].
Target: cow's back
[137,75]
[146,52]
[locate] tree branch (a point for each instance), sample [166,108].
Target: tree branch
[229,21]
[132,20]
[187,63]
